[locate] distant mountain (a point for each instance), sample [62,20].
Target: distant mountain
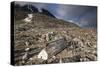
[44,20]
[26,9]
[29,8]
[20,12]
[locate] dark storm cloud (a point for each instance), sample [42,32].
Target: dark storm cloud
[85,16]
[89,19]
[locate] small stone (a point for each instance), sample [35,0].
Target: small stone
[60,61]
[27,49]
[26,43]
[25,56]
[31,59]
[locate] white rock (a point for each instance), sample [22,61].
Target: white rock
[31,59]
[26,43]
[54,57]
[43,55]
[51,32]
[27,49]
[25,56]
[60,61]
[47,37]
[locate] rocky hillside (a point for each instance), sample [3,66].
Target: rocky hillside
[42,39]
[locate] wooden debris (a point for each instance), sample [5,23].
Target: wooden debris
[53,48]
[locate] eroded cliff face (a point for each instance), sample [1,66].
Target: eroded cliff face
[59,40]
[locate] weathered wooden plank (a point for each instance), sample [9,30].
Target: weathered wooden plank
[24,56]
[53,48]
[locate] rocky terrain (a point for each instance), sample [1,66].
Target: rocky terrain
[45,39]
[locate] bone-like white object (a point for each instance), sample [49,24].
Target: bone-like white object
[43,55]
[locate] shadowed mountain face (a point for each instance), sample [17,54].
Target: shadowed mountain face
[62,41]
[40,19]
[44,11]
[20,12]
[43,21]
[29,8]
[26,9]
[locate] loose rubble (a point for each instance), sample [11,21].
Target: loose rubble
[40,42]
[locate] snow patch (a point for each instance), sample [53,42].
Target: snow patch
[29,18]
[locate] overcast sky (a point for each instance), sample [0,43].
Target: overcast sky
[85,16]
